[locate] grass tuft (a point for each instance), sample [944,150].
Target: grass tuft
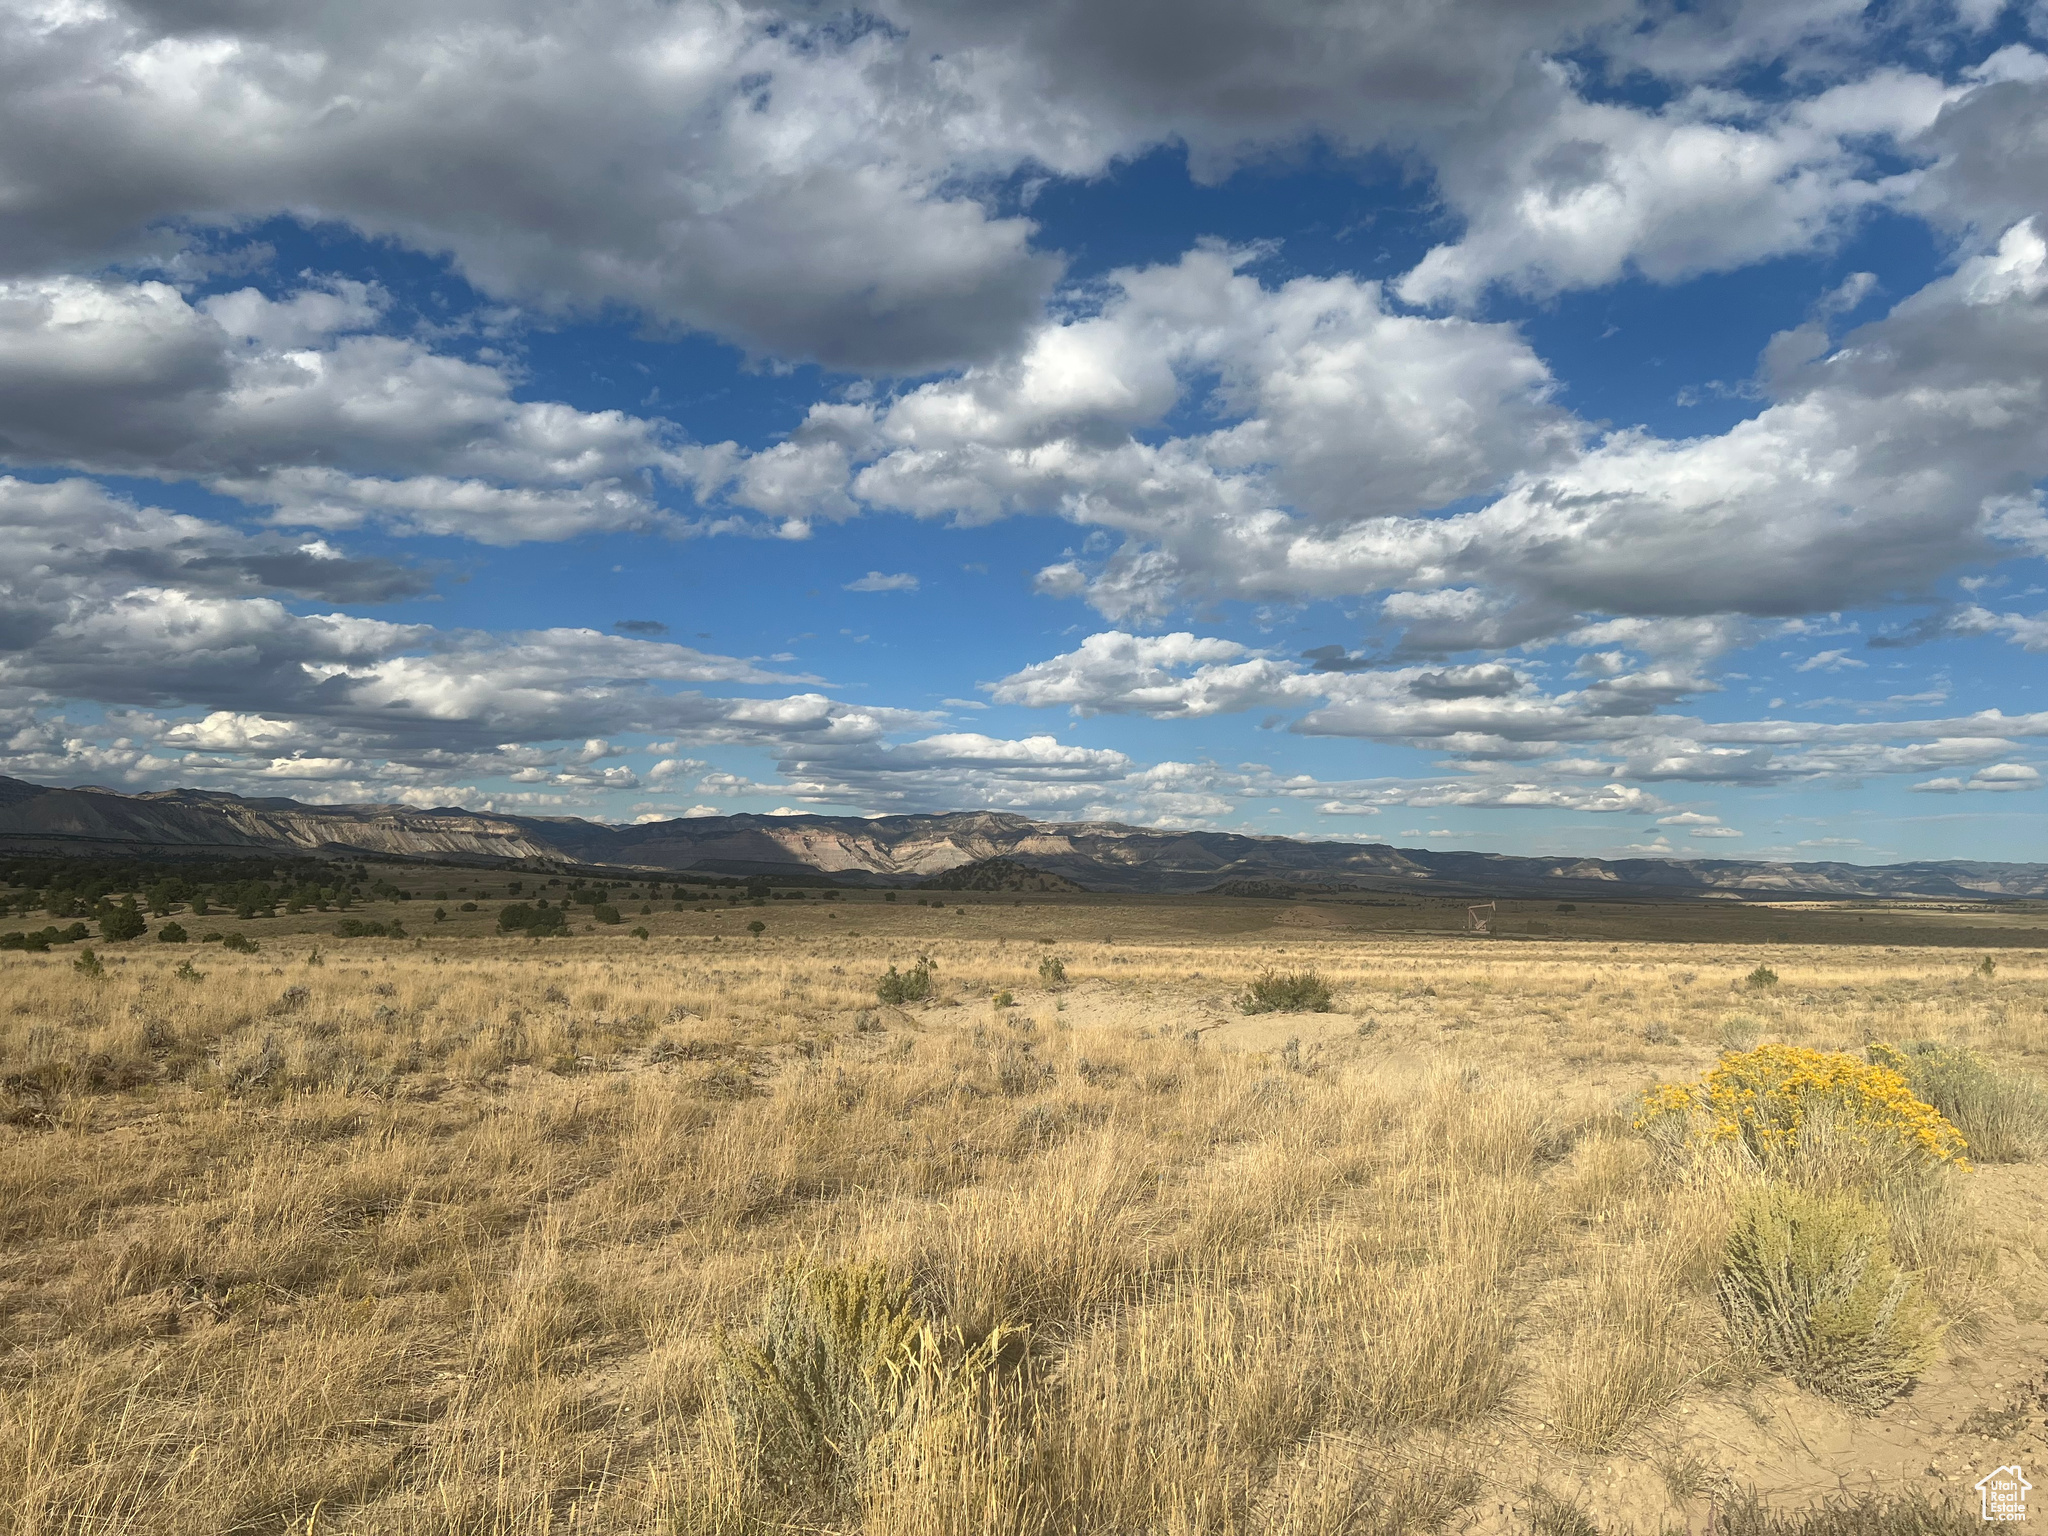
[1550,1515]
[844,1378]
[1747,1514]
[1869,1514]
[1624,1360]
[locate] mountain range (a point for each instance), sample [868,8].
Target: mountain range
[908,850]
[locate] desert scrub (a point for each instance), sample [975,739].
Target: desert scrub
[1810,1286]
[843,1375]
[1286,992]
[829,1371]
[911,986]
[2004,1118]
[1773,1100]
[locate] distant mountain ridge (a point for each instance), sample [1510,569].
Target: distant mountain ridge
[904,850]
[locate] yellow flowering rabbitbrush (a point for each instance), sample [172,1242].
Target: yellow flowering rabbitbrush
[1762,1098]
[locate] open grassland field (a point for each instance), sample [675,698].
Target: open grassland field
[306,900]
[460,1233]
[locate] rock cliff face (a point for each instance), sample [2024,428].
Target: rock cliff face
[901,850]
[92,820]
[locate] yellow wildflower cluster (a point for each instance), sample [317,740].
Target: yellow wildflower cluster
[1761,1098]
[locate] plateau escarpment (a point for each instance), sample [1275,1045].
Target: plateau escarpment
[903,850]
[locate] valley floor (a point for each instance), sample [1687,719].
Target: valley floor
[468,1235]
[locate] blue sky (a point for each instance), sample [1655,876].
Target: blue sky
[1582,426]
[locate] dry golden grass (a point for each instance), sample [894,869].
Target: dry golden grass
[452,1237]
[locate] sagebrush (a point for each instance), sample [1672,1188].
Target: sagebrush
[1286,992]
[1810,1286]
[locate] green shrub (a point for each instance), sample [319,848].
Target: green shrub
[641,933]
[240,943]
[911,986]
[171,933]
[1286,992]
[604,912]
[2004,1118]
[537,922]
[41,939]
[1763,976]
[88,964]
[123,922]
[1810,1286]
[1052,972]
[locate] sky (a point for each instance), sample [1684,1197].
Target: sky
[1535,426]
